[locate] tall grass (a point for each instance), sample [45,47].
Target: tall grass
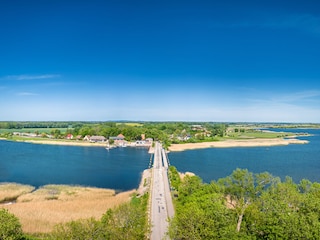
[40,210]
[11,191]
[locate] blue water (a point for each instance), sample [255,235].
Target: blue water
[298,161]
[38,165]
[121,168]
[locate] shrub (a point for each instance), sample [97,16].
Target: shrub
[10,227]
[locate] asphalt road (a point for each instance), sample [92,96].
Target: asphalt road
[161,201]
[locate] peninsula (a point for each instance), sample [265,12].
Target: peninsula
[258,142]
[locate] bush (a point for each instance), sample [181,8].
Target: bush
[125,222]
[10,227]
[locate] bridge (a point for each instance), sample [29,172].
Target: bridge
[161,201]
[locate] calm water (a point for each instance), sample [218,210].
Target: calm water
[39,165]
[297,160]
[121,168]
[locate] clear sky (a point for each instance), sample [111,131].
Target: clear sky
[159,60]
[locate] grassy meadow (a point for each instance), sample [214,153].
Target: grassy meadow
[251,134]
[131,124]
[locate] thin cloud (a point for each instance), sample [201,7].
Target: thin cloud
[299,96]
[26,94]
[32,77]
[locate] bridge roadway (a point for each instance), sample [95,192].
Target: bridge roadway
[161,201]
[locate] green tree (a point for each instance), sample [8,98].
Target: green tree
[56,133]
[10,227]
[278,216]
[128,221]
[243,188]
[79,229]
[201,212]
[174,177]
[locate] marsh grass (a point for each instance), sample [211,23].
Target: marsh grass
[41,210]
[11,191]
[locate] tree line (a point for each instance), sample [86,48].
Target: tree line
[166,132]
[27,124]
[245,206]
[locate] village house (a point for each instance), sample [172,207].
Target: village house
[149,141]
[184,137]
[196,127]
[119,140]
[97,139]
[146,142]
[69,136]
[86,138]
[78,137]
[24,134]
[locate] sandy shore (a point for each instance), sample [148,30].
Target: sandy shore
[257,142]
[237,143]
[144,182]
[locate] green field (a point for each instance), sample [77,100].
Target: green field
[258,134]
[131,124]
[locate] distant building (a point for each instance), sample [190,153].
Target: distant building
[184,137]
[147,142]
[86,138]
[119,140]
[69,136]
[97,139]
[78,137]
[24,134]
[140,143]
[120,137]
[196,127]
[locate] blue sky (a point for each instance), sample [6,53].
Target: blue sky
[164,60]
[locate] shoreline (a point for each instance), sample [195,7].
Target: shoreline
[66,143]
[71,143]
[257,142]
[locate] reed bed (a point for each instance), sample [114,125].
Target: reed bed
[11,191]
[40,210]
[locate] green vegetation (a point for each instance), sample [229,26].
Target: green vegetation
[128,221]
[132,124]
[240,206]
[166,132]
[246,206]
[10,227]
[34,130]
[251,133]
[174,177]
